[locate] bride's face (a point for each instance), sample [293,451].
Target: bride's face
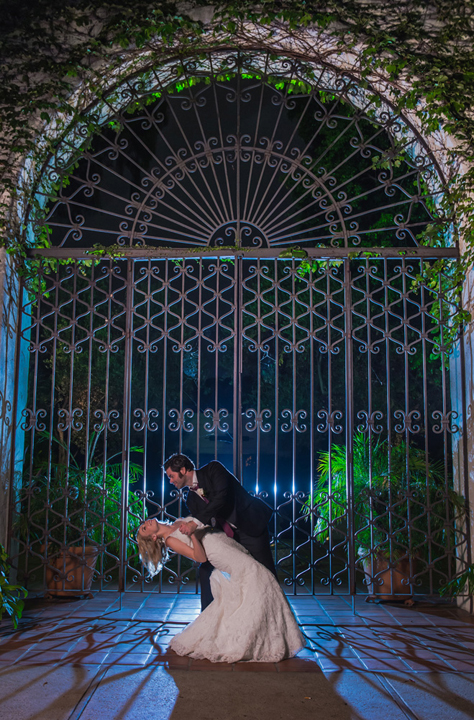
[149,528]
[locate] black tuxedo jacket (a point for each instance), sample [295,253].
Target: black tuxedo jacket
[228,500]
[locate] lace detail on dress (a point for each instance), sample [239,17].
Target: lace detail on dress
[250,617]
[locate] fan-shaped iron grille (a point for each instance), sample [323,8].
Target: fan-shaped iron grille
[246,162]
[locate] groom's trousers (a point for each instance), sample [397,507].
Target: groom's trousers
[258,547]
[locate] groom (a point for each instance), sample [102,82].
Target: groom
[216,498]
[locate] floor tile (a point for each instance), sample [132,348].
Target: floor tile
[427,665]
[379,653]
[461,666]
[298,665]
[174,661]
[12,655]
[384,664]
[85,659]
[344,652]
[255,667]
[453,654]
[328,664]
[136,659]
[419,654]
[306,653]
[46,658]
[378,639]
[203,665]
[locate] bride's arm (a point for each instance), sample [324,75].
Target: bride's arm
[196,553]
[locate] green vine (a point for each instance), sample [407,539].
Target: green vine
[58,59]
[99,252]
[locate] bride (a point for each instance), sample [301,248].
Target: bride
[249,618]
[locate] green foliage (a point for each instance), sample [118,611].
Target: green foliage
[11,596]
[306,264]
[462,584]
[294,252]
[50,49]
[392,484]
[90,500]
[98,252]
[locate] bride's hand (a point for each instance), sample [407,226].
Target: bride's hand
[188,528]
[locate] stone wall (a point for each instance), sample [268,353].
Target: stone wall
[463,456]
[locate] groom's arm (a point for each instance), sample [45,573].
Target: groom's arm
[190,525]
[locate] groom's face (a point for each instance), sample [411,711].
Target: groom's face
[178,479]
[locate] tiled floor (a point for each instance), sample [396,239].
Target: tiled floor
[106,659]
[135,630]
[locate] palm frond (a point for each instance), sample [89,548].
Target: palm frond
[463,584]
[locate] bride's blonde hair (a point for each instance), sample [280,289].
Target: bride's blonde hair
[153,553]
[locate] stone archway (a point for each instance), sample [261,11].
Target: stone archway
[306,45]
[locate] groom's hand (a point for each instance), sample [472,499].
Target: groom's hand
[188,528]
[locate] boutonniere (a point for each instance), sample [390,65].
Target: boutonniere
[201,492]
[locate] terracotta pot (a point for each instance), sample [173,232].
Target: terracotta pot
[385,582]
[78,565]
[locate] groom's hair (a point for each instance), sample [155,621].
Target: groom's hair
[177,461]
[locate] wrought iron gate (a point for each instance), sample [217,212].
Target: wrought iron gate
[326,395]
[327,392]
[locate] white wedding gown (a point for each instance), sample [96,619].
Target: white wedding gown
[249,618]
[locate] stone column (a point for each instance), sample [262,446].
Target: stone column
[11,353]
[463,456]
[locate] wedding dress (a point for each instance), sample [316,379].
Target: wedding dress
[249,618]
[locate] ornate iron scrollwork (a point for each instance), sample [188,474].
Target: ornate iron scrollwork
[69,419]
[291,420]
[445,421]
[258,420]
[181,419]
[370,421]
[330,421]
[107,419]
[216,420]
[407,421]
[33,419]
[291,189]
[146,418]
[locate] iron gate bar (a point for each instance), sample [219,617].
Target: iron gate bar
[127,422]
[326,253]
[350,425]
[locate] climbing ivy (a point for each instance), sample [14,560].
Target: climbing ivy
[57,60]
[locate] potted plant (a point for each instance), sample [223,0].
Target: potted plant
[399,499]
[74,513]
[11,596]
